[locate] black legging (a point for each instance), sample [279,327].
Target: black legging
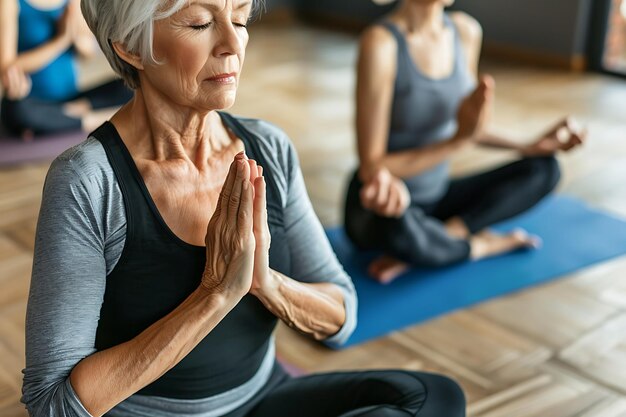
[352,394]
[46,116]
[420,236]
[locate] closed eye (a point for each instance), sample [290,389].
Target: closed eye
[201,27]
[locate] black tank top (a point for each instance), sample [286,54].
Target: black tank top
[157,271]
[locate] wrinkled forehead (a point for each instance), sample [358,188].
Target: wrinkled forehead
[217,5]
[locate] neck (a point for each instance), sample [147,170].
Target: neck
[159,129]
[421,16]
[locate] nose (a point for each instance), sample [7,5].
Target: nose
[229,40]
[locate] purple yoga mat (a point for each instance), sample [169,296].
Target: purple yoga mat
[14,151]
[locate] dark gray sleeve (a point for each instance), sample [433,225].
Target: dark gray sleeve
[67,288]
[313,259]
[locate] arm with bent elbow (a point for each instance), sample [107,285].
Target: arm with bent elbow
[319,300]
[62,314]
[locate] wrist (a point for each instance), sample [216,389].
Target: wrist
[367,172]
[214,300]
[269,286]
[459,141]
[63,40]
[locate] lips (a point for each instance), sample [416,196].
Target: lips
[224,78]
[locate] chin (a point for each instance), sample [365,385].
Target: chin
[226,101]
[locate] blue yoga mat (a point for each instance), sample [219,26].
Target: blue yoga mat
[574,236]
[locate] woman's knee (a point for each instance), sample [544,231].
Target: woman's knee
[547,170]
[18,116]
[445,397]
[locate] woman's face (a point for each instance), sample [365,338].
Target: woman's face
[200,51]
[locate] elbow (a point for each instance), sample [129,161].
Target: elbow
[52,400]
[348,324]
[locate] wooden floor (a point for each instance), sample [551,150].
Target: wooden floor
[558,350]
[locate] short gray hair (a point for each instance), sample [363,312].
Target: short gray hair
[131,23]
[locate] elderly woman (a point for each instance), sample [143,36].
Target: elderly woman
[39,41]
[137,307]
[420,102]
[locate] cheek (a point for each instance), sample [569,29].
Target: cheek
[181,59]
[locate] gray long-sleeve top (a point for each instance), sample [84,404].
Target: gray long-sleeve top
[80,237]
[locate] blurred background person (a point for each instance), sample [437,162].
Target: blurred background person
[39,43]
[419,101]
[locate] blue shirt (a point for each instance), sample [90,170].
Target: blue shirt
[56,81]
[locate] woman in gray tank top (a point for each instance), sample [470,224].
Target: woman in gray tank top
[420,101]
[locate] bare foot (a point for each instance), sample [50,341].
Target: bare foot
[487,243]
[92,120]
[385,269]
[456,227]
[77,108]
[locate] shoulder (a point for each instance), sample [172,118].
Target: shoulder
[269,134]
[9,10]
[85,163]
[377,36]
[83,175]
[9,6]
[469,29]
[377,41]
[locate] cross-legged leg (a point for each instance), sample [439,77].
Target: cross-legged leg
[364,394]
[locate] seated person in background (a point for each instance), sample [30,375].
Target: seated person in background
[155,290]
[38,43]
[418,103]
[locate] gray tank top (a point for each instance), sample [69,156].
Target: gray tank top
[424,112]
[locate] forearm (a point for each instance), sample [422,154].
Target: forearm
[499,142]
[411,162]
[108,377]
[316,309]
[38,58]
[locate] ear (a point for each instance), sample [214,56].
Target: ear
[128,57]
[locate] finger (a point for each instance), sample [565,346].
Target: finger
[260,207]
[576,139]
[367,192]
[399,208]
[254,172]
[29,84]
[260,169]
[244,209]
[11,81]
[228,184]
[405,200]
[392,203]
[22,83]
[243,175]
[584,133]
[383,191]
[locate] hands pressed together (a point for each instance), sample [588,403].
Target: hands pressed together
[71,24]
[238,237]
